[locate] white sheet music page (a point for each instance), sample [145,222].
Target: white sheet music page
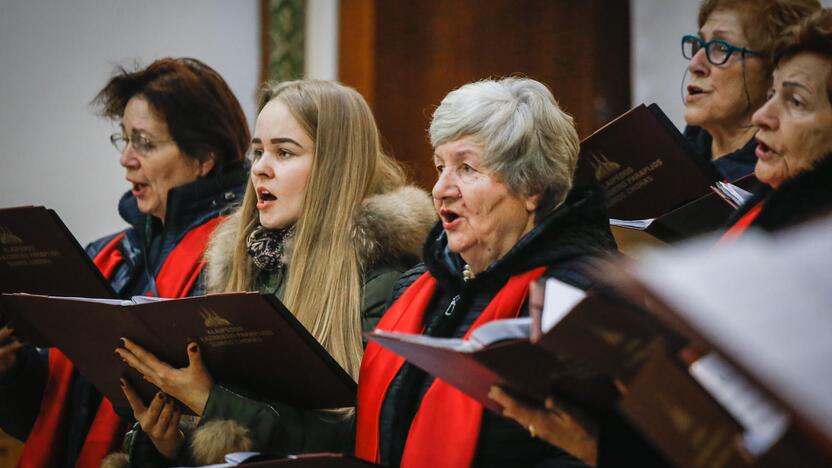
[763,421]
[559,299]
[765,301]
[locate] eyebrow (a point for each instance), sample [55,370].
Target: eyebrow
[794,84]
[141,131]
[277,141]
[457,154]
[721,34]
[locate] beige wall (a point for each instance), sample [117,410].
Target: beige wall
[54,58]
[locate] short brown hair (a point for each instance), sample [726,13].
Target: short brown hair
[202,114]
[812,35]
[762,21]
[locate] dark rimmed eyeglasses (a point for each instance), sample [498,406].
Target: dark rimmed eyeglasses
[141,143]
[717,51]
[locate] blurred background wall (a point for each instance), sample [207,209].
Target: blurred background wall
[600,57]
[55,57]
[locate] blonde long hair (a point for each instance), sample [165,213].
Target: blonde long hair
[324,276]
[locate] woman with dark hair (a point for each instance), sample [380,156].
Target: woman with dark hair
[183,140]
[730,72]
[794,141]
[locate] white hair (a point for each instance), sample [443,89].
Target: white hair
[529,142]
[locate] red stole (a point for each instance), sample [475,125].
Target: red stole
[45,442]
[737,229]
[447,425]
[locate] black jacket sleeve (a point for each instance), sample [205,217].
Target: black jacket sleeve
[21,391]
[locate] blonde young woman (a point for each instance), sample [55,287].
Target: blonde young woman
[328,225]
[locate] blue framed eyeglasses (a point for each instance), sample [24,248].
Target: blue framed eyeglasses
[717,51]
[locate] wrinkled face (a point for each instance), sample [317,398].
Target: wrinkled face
[282,153]
[481,217]
[162,166]
[716,94]
[796,122]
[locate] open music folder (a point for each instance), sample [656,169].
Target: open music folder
[39,255]
[247,340]
[760,309]
[589,340]
[652,180]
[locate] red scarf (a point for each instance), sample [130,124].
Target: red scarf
[447,425]
[45,444]
[737,229]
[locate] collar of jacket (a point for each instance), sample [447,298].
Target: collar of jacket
[577,229]
[796,200]
[191,203]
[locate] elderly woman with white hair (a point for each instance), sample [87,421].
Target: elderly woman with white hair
[505,155]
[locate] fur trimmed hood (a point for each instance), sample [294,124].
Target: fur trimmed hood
[389,227]
[208,444]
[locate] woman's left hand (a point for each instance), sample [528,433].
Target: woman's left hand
[191,385]
[559,424]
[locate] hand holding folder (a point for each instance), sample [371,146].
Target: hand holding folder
[191,384]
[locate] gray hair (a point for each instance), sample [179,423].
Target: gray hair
[529,142]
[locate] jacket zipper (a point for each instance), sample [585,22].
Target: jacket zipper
[451,306]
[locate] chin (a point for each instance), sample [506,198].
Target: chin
[145,208]
[457,245]
[272,223]
[767,175]
[693,117]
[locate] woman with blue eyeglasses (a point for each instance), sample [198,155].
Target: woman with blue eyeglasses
[730,73]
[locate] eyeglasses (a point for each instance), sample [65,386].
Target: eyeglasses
[142,144]
[717,51]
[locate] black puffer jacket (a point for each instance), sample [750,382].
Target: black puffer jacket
[565,241]
[145,246]
[796,200]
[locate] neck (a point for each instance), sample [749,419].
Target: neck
[727,140]
[159,216]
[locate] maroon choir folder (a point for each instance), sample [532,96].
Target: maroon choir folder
[249,341]
[599,340]
[39,255]
[645,166]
